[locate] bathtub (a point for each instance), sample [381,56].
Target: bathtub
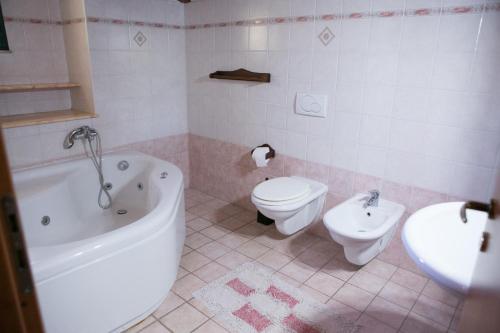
[96,270]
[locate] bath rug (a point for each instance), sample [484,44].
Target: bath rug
[250,299]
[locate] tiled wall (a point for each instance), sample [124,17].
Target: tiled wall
[412,93]
[226,171]
[139,85]
[38,56]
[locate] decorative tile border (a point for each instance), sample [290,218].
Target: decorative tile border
[104,20]
[32,20]
[472,9]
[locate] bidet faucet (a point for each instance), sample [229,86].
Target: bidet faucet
[83,132]
[372,199]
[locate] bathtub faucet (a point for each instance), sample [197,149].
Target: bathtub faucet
[93,140]
[372,199]
[83,132]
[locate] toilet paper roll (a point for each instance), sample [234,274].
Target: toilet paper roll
[259,156]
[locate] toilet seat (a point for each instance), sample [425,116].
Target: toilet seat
[281,190]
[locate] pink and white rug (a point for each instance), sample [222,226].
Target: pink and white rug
[250,299]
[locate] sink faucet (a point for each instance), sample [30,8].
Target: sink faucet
[83,132]
[474,205]
[371,200]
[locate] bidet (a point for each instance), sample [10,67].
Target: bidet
[364,230]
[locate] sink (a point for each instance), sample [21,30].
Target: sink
[442,245]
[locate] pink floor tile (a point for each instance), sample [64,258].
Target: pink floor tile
[399,295]
[354,297]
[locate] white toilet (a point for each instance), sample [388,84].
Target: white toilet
[363,231]
[292,202]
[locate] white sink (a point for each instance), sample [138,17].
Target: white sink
[442,245]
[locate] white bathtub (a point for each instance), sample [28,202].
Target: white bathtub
[94,270]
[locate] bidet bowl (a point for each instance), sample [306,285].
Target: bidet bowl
[364,232]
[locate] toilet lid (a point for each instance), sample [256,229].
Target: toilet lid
[281,189]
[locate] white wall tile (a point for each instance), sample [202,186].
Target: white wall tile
[352,67]
[405,168]
[302,7]
[383,5]
[488,38]
[385,34]
[356,6]
[411,104]
[475,182]
[458,32]
[318,150]
[378,99]
[407,136]
[328,7]
[301,36]
[296,145]
[419,33]
[382,67]
[415,68]
[279,8]
[345,155]
[349,98]
[372,160]
[452,70]
[355,35]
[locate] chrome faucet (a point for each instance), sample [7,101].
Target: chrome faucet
[371,200]
[480,206]
[83,132]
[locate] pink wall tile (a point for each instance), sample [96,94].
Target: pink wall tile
[341,182]
[421,198]
[317,172]
[364,183]
[396,192]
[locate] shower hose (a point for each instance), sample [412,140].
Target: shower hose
[96,157]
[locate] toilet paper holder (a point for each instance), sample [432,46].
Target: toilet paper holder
[270,154]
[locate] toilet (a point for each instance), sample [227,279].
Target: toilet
[292,202]
[363,232]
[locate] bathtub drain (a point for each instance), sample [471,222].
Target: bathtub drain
[45,220]
[121,211]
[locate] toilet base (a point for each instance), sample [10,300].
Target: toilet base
[263,219]
[304,217]
[362,253]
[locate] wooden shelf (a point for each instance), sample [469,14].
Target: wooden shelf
[40,118]
[241,75]
[10,88]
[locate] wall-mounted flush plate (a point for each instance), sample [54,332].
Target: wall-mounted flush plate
[311,104]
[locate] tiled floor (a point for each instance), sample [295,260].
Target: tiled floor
[380,296]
